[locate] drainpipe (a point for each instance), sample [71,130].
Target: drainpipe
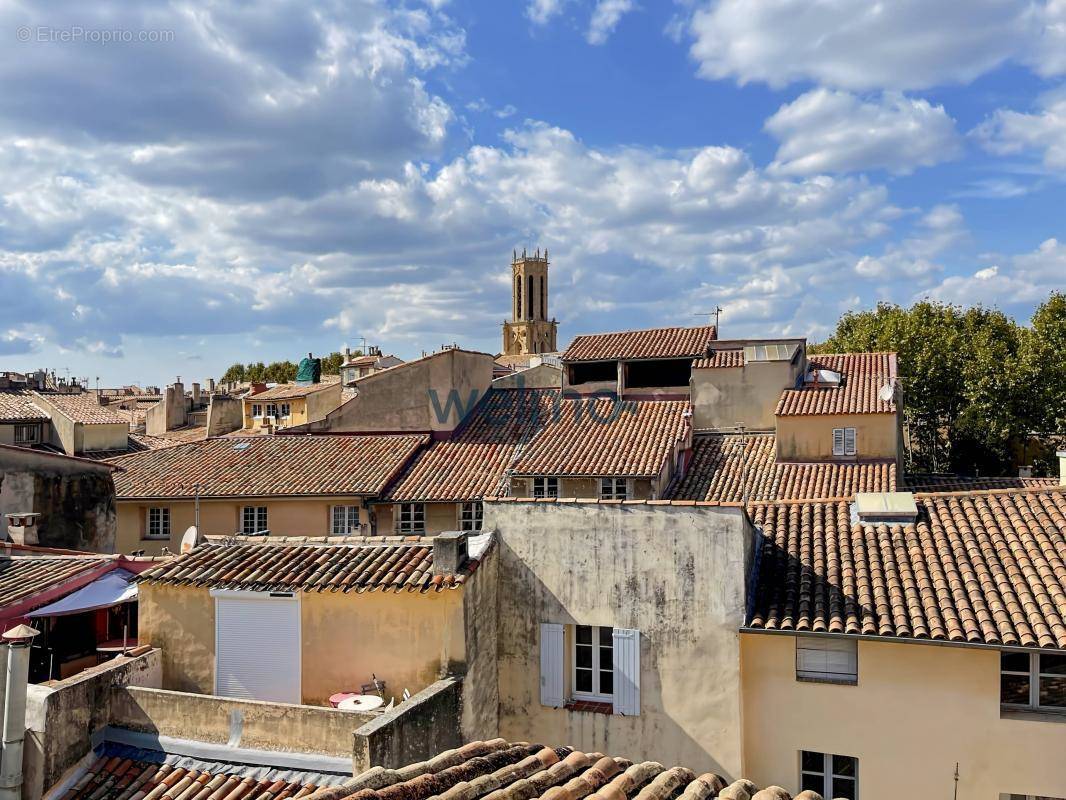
[17,641]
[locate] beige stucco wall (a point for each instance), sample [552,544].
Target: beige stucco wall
[407,639]
[285,516]
[727,397]
[675,573]
[916,711]
[583,488]
[810,438]
[106,436]
[542,376]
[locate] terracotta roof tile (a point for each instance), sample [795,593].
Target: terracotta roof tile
[981,568]
[961,483]
[138,443]
[83,408]
[721,359]
[265,466]
[538,432]
[721,463]
[349,564]
[16,405]
[864,375]
[22,577]
[500,770]
[651,343]
[285,391]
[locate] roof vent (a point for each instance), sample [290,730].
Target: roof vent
[889,508]
[241,446]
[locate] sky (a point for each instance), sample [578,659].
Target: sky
[186,185]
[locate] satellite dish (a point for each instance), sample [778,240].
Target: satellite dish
[886,393]
[191,539]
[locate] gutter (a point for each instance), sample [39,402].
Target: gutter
[908,640]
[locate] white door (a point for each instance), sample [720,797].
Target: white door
[257,646]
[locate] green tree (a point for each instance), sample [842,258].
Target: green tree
[235,374]
[331,364]
[280,372]
[256,372]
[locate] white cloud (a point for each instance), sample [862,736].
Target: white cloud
[605,18]
[941,229]
[905,44]
[834,131]
[540,12]
[1015,284]
[1044,132]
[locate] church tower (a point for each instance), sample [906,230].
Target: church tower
[529,331]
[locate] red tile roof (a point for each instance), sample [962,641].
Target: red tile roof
[287,391]
[537,432]
[652,343]
[267,466]
[722,462]
[359,564]
[960,483]
[982,568]
[503,771]
[83,408]
[721,359]
[22,577]
[864,376]
[16,405]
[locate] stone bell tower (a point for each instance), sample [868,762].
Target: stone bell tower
[529,331]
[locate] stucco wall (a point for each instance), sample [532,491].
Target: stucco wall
[724,398]
[417,730]
[224,415]
[286,517]
[407,639]
[321,403]
[810,438]
[481,695]
[542,376]
[439,517]
[916,711]
[107,436]
[675,573]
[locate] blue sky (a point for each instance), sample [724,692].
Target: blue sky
[241,181]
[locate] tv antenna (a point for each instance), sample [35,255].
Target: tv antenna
[717,310]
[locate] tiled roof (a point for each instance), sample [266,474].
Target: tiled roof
[123,773]
[22,577]
[266,466]
[84,408]
[864,375]
[287,391]
[500,770]
[983,568]
[16,405]
[359,564]
[652,343]
[137,443]
[720,463]
[537,432]
[721,359]
[959,483]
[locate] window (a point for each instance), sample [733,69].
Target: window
[272,409]
[412,518]
[613,489]
[543,299]
[824,659]
[593,662]
[1034,681]
[829,775]
[257,410]
[286,410]
[253,520]
[545,487]
[604,668]
[844,442]
[27,434]
[470,516]
[345,520]
[158,523]
[529,297]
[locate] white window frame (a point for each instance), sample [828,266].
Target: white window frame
[163,515]
[840,658]
[285,410]
[347,516]
[257,410]
[841,444]
[1034,676]
[411,518]
[545,487]
[595,696]
[271,409]
[258,513]
[827,775]
[21,430]
[471,515]
[614,488]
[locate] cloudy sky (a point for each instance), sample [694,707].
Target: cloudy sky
[185,185]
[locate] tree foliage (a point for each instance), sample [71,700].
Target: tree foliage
[277,371]
[978,388]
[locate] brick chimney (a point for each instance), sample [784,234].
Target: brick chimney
[449,552]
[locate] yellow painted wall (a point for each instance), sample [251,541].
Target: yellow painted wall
[406,639]
[584,488]
[916,711]
[286,517]
[810,438]
[439,517]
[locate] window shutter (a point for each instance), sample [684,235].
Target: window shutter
[838,441]
[551,664]
[849,441]
[626,672]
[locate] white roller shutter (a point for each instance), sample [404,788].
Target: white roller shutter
[626,672]
[257,646]
[551,664]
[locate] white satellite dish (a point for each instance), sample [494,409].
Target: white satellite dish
[361,702]
[191,539]
[886,393]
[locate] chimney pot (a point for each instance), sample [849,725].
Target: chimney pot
[449,552]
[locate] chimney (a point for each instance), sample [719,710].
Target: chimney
[449,552]
[196,395]
[1025,471]
[22,527]
[17,644]
[1062,467]
[210,385]
[257,387]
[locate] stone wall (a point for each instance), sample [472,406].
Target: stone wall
[414,731]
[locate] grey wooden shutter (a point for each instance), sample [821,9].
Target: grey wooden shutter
[551,664]
[626,672]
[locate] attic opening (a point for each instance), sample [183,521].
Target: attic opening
[658,373]
[592,372]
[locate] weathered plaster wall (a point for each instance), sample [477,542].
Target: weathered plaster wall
[916,711]
[181,622]
[417,730]
[810,438]
[675,573]
[724,398]
[61,718]
[321,403]
[542,376]
[224,415]
[481,683]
